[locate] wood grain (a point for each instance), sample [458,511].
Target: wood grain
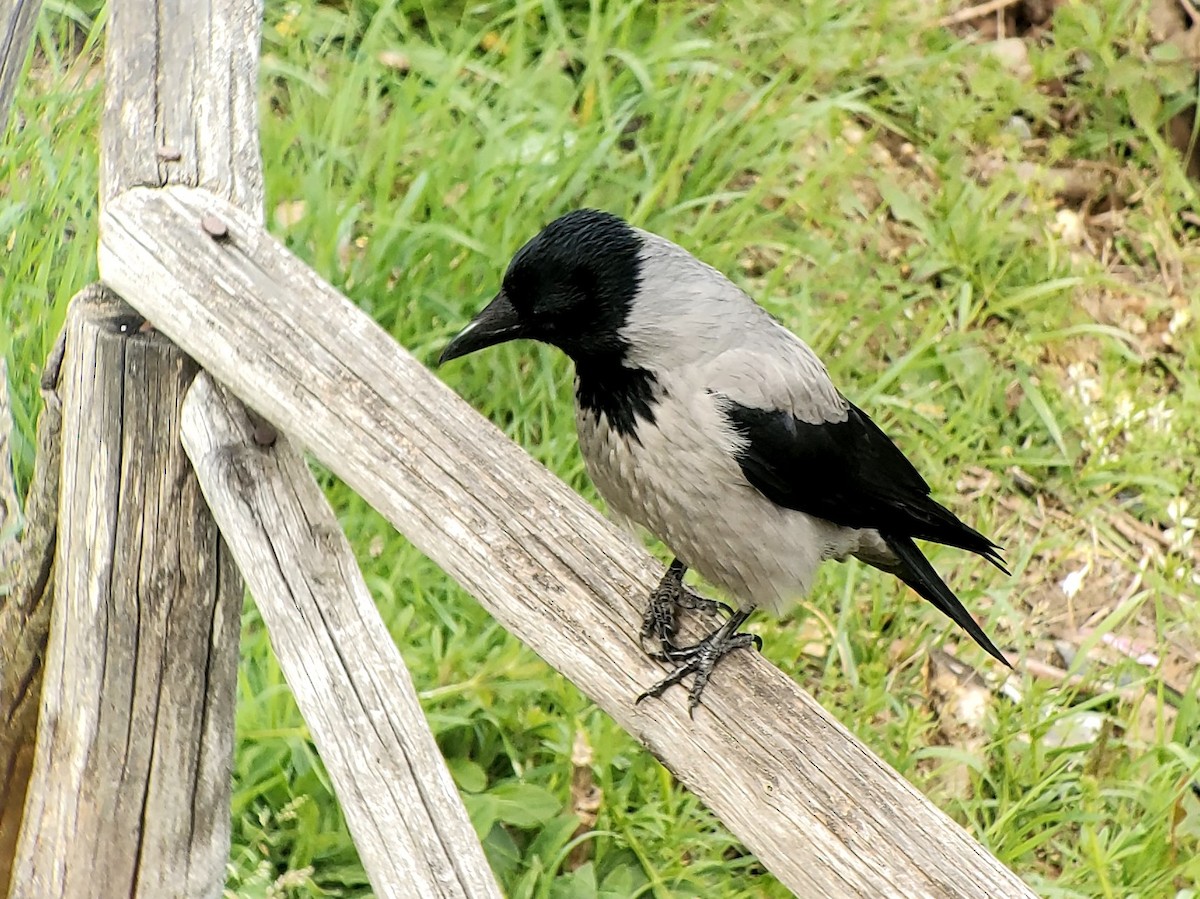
[208,136]
[403,809]
[10,506]
[130,786]
[26,598]
[18,20]
[25,567]
[826,816]
[181,98]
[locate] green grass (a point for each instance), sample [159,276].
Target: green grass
[827,156]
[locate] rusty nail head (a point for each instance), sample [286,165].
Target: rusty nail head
[214,227]
[265,434]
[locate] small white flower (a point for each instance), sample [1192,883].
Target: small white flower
[1085,388]
[1159,417]
[1177,512]
[1073,582]
[1182,531]
[1123,411]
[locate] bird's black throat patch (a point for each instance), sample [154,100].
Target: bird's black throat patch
[622,395]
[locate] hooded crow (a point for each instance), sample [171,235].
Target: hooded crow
[705,421]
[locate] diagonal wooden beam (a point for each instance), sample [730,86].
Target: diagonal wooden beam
[822,812]
[408,822]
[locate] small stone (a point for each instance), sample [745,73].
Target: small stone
[1013,54]
[396,60]
[1019,128]
[1070,227]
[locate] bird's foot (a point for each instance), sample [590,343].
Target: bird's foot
[702,658]
[694,602]
[661,619]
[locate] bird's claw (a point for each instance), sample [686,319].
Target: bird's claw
[661,618]
[700,660]
[661,621]
[694,602]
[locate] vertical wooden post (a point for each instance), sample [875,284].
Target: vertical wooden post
[10,510]
[26,566]
[130,787]
[27,586]
[129,791]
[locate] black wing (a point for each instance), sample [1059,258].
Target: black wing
[850,473]
[847,472]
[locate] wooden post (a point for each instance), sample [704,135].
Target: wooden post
[130,788]
[26,566]
[10,506]
[409,825]
[130,782]
[27,588]
[822,812]
[129,791]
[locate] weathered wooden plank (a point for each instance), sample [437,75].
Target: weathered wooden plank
[10,506]
[404,812]
[26,590]
[26,567]
[130,787]
[206,135]
[181,98]
[820,810]
[18,19]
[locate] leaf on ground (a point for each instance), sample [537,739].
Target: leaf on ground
[960,701]
[524,804]
[288,213]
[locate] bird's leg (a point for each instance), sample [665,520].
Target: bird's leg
[661,619]
[702,658]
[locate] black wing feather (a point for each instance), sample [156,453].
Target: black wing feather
[851,473]
[847,472]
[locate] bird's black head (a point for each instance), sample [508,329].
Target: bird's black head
[571,286]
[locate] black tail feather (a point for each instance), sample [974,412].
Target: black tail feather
[914,569]
[933,521]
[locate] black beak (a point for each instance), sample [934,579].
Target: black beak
[497,323]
